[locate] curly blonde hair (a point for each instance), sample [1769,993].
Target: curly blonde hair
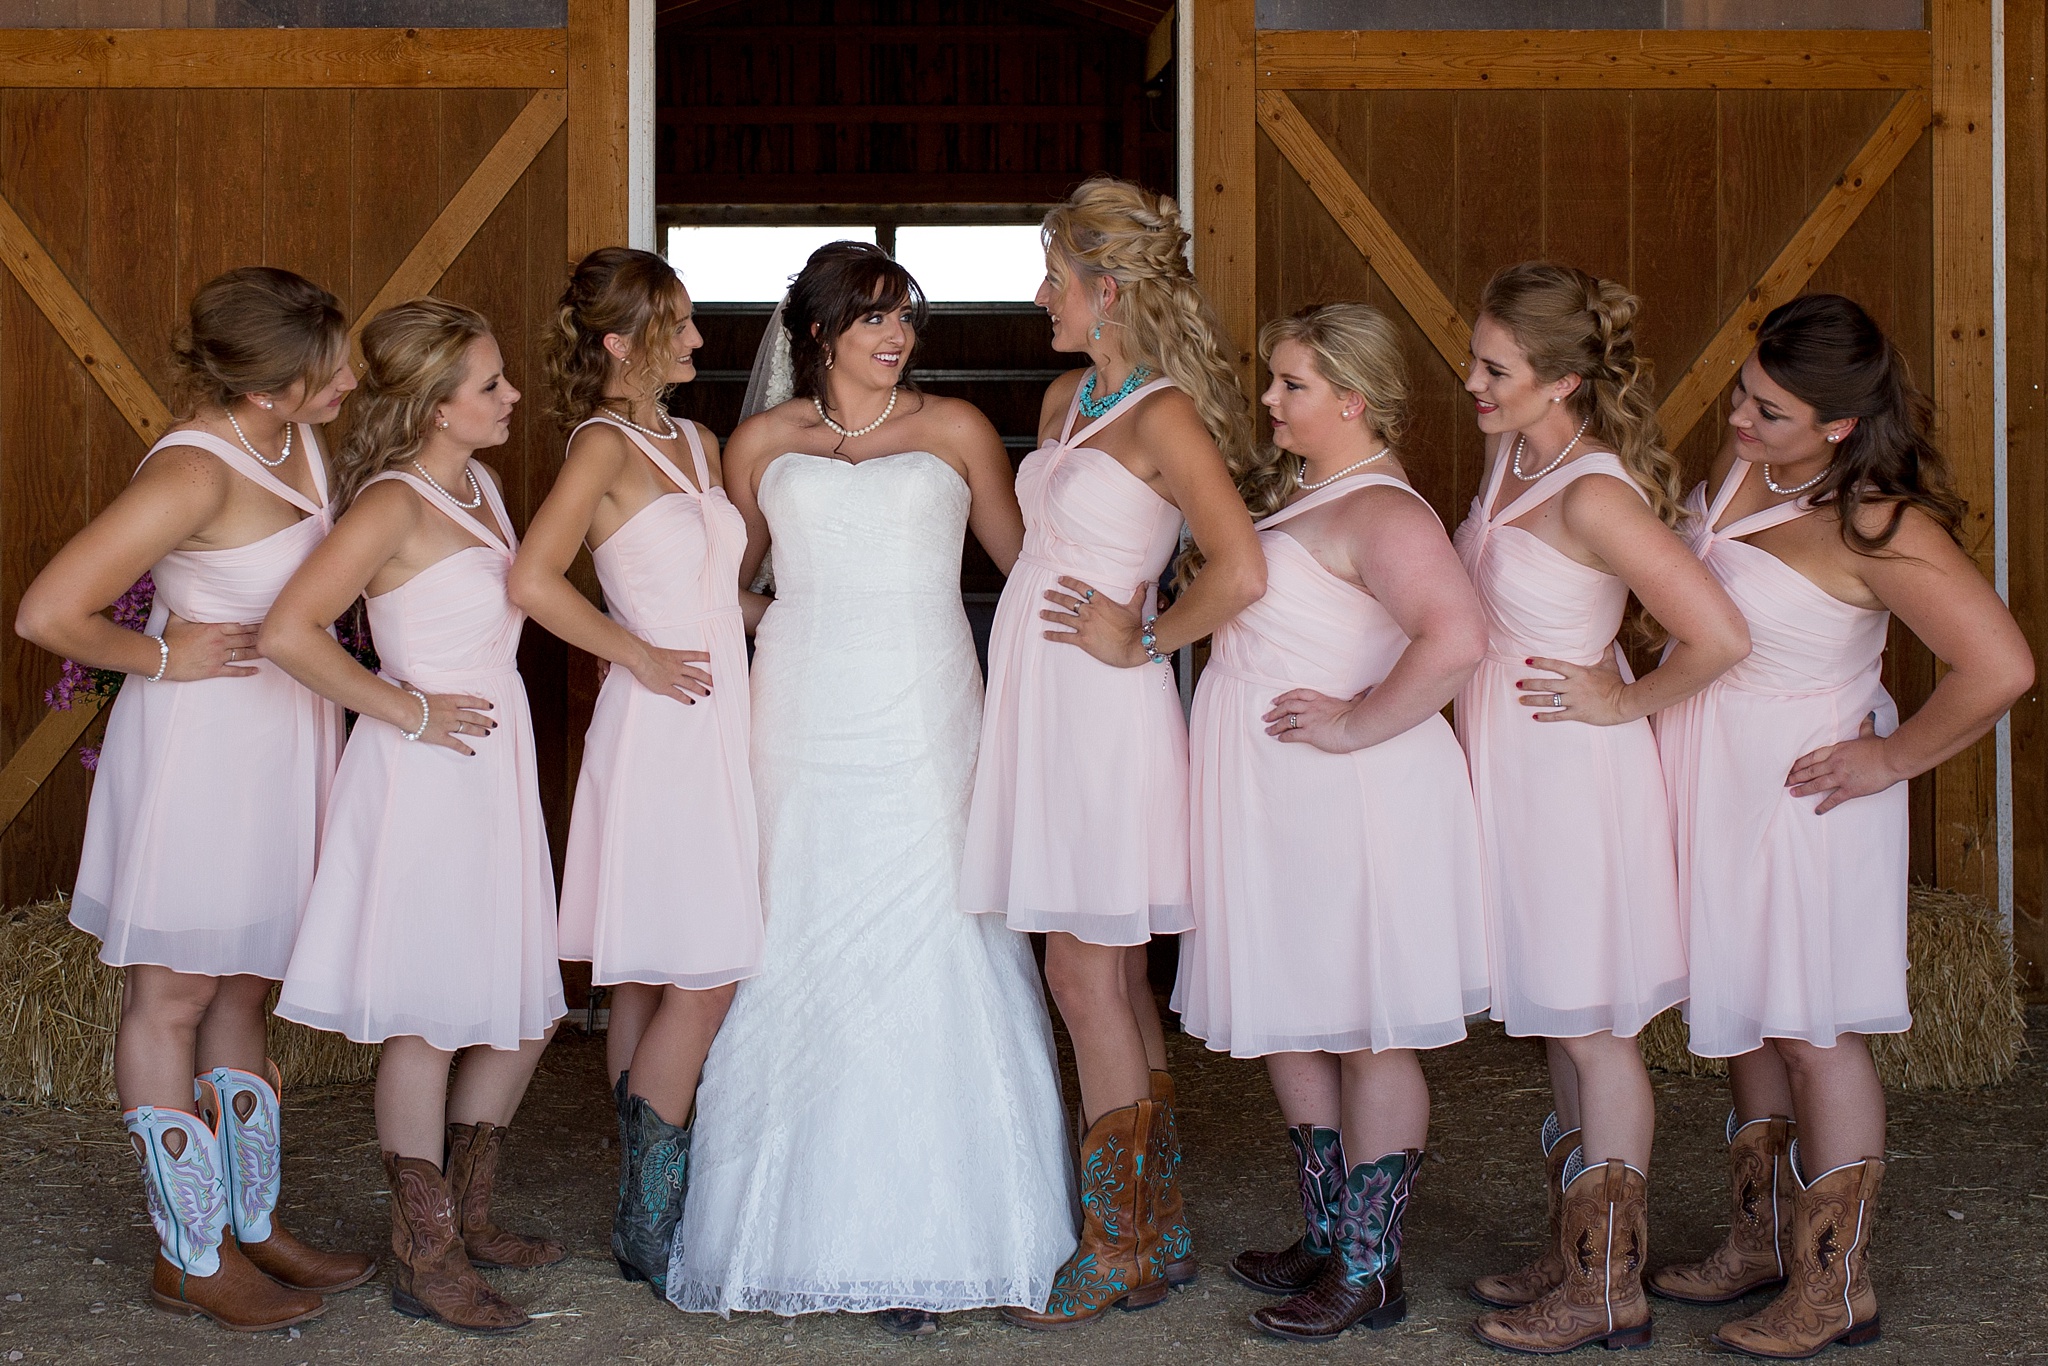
[1355,348]
[413,358]
[1114,229]
[613,291]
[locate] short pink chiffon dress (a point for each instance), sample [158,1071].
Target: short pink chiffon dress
[1337,896]
[662,879]
[1584,933]
[204,824]
[433,913]
[1797,921]
[1079,822]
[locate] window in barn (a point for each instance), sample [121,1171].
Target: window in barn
[743,263]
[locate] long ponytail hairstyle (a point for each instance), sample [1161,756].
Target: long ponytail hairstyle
[413,357]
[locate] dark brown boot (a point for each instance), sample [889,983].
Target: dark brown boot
[1319,1165]
[1360,1281]
[1540,1277]
[472,1168]
[1178,1239]
[1118,1261]
[1759,1242]
[431,1278]
[1827,1297]
[1606,1223]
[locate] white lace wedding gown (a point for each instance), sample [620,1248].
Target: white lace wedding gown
[879,1123]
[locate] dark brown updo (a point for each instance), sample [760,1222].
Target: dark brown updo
[256,330]
[616,291]
[842,283]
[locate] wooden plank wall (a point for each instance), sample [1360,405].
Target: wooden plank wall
[142,195]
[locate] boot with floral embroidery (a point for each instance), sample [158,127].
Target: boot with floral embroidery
[1119,1261]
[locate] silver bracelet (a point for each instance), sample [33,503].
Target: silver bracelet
[163,659]
[425,713]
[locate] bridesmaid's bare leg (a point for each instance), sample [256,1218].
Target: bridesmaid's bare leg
[1837,1100]
[490,1082]
[632,1009]
[1617,1109]
[1089,984]
[156,1045]
[1760,1085]
[1308,1087]
[1386,1104]
[233,1031]
[1145,1007]
[1564,1084]
[412,1099]
[671,1053]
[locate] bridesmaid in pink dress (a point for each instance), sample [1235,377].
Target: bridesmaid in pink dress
[1078,827]
[1828,509]
[1586,942]
[205,817]
[1338,917]
[661,887]
[431,926]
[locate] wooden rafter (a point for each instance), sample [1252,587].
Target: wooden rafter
[285,58]
[1366,226]
[37,757]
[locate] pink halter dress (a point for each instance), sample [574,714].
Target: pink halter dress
[662,880]
[204,824]
[1337,896]
[1797,921]
[1080,816]
[433,913]
[1583,925]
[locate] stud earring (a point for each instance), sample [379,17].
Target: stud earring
[1555,399]
[1835,437]
[442,423]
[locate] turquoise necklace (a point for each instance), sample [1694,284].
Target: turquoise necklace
[1092,406]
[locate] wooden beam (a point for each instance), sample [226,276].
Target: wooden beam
[37,757]
[80,327]
[1226,172]
[1607,59]
[1367,228]
[600,136]
[1690,399]
[1965,788]
[284,58]
[470,205]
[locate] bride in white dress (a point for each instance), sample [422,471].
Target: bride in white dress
[879,1125]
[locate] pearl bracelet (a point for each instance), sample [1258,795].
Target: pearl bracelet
[163,659]
[425,712]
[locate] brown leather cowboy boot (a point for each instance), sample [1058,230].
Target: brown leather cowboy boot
[1759,1243]
[431,1278]
[1319,1165]
[1543,1275]
[472,1168]
[1118,1261]
[1361,1279]
[1178,1240]
[1606,1223]
[1827,1297]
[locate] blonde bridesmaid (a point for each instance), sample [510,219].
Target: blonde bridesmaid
[205,816]
[1828,509]
[1585,937]
[1078,827]
[1338,919]
[661,884]
[431,925]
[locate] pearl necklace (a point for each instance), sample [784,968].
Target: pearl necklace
[671,434]
[261,458]
[1092,406]
[1772,484]
[476,490]
[1520,441]
[1302,478]
[825,418]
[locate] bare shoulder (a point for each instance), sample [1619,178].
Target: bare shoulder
[708,437]
[1918,536]
[1381,513]
[1059,395]
[388,501]
[1603,495]
[768,432]
[598,441]
[497,480]
[187,469]
[955,417]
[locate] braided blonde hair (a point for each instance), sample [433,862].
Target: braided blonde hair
[1355,348]
[413,358]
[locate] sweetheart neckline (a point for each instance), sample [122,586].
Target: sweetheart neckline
[871,460]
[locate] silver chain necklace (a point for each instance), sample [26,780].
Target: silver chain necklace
[1516,460]
[476,490]
[660,412]
[261,458]
[1772,484]
[825,418]
[1302,478]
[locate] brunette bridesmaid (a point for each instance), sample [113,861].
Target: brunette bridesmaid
[431,926]
[1584,933]
[206,809]
[1338,920]
[1078,827]
[1828,509]
[661,886]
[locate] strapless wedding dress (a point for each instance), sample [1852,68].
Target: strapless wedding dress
[879,1123]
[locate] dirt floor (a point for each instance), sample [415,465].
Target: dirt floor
[1961,1257]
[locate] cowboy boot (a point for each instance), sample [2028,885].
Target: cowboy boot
[199,1269]
[472,1168]
[252,1150]
[1827,1297]
[431,1277]
[1178,1238]
[1759,1242]
[1119,1257]
[1606,1224]
[1541,1276]
[1360,1281]
[1319,1165]
[658,1156]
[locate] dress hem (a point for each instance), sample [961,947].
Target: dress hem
[1104,931]
[698,1298]
[433,1036]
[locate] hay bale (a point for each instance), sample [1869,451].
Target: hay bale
[1969,1015]
[59,1005]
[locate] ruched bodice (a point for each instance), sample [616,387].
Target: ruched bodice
[1311,629]
[452,621]
[677,560]
[893,525]
[1088,516]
